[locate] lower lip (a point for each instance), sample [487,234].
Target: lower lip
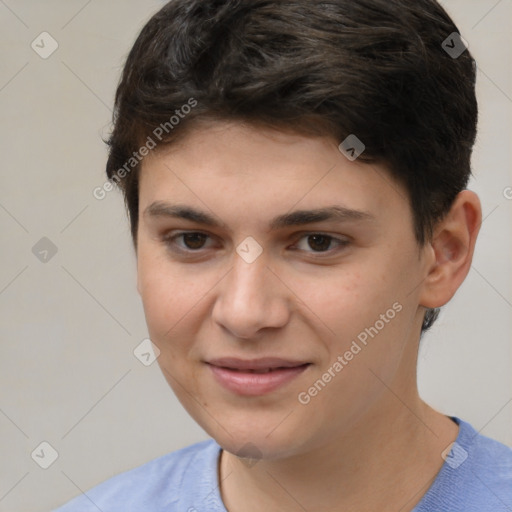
[254,384]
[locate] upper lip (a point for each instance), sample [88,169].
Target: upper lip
[255,364]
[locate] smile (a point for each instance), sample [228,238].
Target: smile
[242,379]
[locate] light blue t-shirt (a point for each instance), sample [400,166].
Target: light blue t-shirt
[475,477]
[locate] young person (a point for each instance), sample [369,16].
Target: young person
[295,175]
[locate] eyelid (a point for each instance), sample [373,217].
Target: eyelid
[340,241]
[169,238]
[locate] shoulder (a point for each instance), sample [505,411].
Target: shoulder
[492,462]
[476,475]
[161,484]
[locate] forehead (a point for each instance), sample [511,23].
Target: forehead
[241,172]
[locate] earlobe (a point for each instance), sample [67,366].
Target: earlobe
[452,246]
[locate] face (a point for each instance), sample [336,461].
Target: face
[260,250]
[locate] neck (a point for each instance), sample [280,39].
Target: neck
[386,461]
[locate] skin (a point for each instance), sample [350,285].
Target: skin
[366,441]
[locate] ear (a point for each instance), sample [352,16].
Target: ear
[451,250]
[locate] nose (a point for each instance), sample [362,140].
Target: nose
[251,298]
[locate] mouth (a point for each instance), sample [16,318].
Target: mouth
[262,364]
[255,377]
[264,370]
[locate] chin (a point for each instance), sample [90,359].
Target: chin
[263,441]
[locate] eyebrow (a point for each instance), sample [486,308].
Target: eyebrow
[295,218]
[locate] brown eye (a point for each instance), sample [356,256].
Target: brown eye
[193,240]
[319,242]
[186,242]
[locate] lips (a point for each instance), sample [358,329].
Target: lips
[264,370]
[257,376]
[264,363]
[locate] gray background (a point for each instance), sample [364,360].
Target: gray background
[69,325]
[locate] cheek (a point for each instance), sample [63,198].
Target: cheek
[364,312]
[346,300]
[171,298]
[168,297]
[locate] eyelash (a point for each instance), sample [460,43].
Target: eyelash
[169,241]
